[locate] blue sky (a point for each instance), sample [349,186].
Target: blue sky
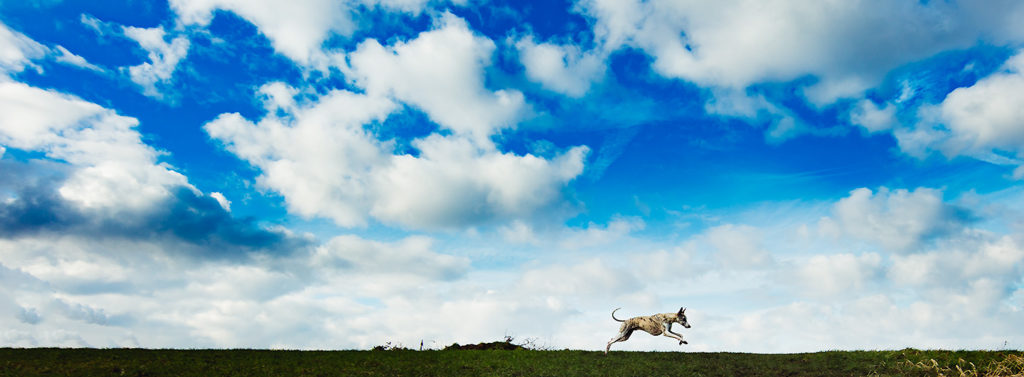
[325,175]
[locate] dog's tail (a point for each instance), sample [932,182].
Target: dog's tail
[613,315]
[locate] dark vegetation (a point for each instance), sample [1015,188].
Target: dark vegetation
[481,360]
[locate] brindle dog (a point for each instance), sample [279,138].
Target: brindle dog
[652,324]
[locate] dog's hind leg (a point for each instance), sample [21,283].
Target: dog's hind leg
[623,336]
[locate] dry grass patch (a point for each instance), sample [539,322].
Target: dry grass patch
[1012,365]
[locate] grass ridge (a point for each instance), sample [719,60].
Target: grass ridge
[518,362]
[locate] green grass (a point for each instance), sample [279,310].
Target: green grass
[139,362]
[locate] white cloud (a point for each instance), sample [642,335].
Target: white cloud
[838,275]
[408,6]
[29,119]
[163,57]
[115,169]
[596,235]
[320,160]
[848,46]
[411,257]
[587,278]
[455,183]
[279,96]
[561,68]
[874,119]
[946,285]
[296,29]
[617,231]
[68,57]
[223,201]
[442,73]
[867,322]
[898,220]
[738,246]
[17,50]
[727,101]
[143,293]
[518,232]
[833,50]
[326,164]
[957,265]
[352,292]
[977,121]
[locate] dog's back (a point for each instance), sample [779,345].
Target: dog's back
[653,324]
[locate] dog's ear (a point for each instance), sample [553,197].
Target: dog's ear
[682,310]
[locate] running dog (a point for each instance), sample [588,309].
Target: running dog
[652,324]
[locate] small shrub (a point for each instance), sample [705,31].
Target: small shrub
[391,347]
[505,345]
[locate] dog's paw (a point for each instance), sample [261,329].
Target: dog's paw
[682,342]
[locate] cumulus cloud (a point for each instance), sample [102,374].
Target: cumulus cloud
[847,46]
[898,220]
[409,6]
[983,120]
[115,168]
[873,118]
[594,234]
[17,50]
[958,267]
[586,278]
[195,225]
[99,177]
[163,58]
[318,160]
[441,72]
[223,201]
[564,68]
[296,29]
[829,51]
[155,76]
[868,322]
[954,292]
[102,245]
[105,291]
[355,292]
[738,246]
[953,296]
[325,163]
[412,257]
[456,183]
[618,230]
[839,275]
[29,316]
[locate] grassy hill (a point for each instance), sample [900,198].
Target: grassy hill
[518,362]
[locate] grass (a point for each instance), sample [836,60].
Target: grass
[401,362]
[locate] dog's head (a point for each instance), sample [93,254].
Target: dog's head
[681,318]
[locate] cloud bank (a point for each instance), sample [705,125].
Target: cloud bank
[474,225]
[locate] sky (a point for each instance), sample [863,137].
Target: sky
[320,174]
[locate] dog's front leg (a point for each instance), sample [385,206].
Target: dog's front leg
[674,334]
